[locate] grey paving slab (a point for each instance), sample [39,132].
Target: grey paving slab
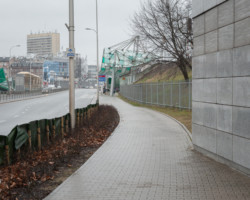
[149,156]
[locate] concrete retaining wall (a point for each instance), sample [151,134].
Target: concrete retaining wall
[221,80]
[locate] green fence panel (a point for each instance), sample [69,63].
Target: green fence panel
[21,136]
[58,126]
[10,140]
[34,138]
[42,126]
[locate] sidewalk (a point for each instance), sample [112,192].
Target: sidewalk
[150,157]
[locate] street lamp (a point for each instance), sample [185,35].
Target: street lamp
[97,50]
[10,56]
[18,45]
[71,29]
[30,75]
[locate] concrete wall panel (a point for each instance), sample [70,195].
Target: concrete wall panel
[211,39]
[210,115]
[209,4]
[221,80]
[242,32]
[226,13]
[211,20]
[241,149]
[199,26]
[225,63]
[225,91]
[224,145]
[210,65]
[199,45]
[209,90]
[197,7]
[224,118]
[197,89]
[226,37]
[197,115]
[241,124]
[201,6]
[198,67]
[241,61]
[204,137]
[242,8]
[241,91]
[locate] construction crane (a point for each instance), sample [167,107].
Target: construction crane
[118,59]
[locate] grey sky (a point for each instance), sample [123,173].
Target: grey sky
[19,18]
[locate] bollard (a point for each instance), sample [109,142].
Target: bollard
[7,154]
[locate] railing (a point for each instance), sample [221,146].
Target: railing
[170,94]
[7,97]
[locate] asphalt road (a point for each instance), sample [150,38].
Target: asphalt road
[45,107]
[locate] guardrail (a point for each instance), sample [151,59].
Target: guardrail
[7,97]
[171,94]
[37,134]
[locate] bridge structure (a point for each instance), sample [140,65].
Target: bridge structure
[119,59]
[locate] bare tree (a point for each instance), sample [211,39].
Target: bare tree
[166,26]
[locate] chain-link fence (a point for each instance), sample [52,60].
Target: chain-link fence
[171,94]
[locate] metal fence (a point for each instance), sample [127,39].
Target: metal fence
[170,94]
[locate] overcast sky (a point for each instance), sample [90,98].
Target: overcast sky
[21,17]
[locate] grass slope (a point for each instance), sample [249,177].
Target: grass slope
[163,73]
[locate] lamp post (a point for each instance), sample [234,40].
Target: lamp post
[71,29]
[10,62]
[97,51]
[30,75]
[10,57]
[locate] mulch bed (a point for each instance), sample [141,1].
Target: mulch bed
[34,175]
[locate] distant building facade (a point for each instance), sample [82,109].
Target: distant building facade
[26,65]
[43,44]
[92,72]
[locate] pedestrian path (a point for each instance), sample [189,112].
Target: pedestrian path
[150,157]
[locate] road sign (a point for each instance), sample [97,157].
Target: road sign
[70,52]
[102,78]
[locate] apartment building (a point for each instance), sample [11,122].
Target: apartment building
[43,44]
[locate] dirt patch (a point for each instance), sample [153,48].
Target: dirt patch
[35,175]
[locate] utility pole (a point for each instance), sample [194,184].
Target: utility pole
[71,55]
[97,52]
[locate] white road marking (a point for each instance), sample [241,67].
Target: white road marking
[16,116]
[2,121]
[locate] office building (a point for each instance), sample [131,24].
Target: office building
[43,44]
